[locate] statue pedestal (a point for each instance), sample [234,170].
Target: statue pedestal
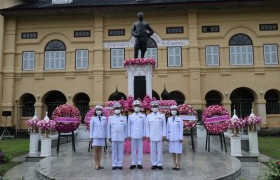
[33,144]
[46,147]
[144,70]
[253,142]
[235,145]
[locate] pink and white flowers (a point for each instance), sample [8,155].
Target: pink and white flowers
[66,110]
[212,111]
[188,110]
[140,61]
[166,103]
[32,123]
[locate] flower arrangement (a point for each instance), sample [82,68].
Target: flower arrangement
[4,157]
[140,61]
[235,123]
[90,113]
[46,125]
[166,103]
[252,121]
[146,104]
[110,104]
[70,112]
[188,112]
[32,124]
[215,119]
[274,170]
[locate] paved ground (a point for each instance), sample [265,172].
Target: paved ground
[79,165]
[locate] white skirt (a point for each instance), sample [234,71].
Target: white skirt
[175,147]
[98,142]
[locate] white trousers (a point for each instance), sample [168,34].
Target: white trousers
[156,153]
[136,145]
[117,153]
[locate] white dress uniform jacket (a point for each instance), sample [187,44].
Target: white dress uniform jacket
[98,128]
[174,128]
[117,128]
[136,125]
[155,126]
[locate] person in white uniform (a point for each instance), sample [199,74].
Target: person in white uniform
[156,134]
[117,134]
[98,128]
[136,132]
[174,131]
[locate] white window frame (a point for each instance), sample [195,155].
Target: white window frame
[58,60]
[214,56]
[149,55]
[236,58]
[176,56]
[30,60]
[270,54]
[82,61]
[119,58]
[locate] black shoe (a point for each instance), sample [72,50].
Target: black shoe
[140,166]
[120,167]
[114,167]
[160,167]
[132,167]
[154,167]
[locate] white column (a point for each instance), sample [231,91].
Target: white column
[33,144]
[235,145]
[261,110]
[46,147]
[253,142]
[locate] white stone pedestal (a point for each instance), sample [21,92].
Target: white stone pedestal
[200,131]
[235,145]
[46,147]
[82,134]
[33,144]
[140,70]
[253,142]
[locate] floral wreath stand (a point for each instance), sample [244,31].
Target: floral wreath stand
[70,133]
[212,122]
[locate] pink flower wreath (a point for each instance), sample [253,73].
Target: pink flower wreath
[67,118]
[217,127]
[188,110]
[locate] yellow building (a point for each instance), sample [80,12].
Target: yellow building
[65,51]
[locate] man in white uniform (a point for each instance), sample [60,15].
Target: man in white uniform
[117,133]
[156,133]
[136,132]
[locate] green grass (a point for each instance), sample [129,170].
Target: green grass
[270,146]
[14,148]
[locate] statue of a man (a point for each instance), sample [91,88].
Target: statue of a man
[141,31]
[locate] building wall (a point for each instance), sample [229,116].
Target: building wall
[194,79]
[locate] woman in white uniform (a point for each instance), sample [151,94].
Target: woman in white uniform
[174,131]
[98,127]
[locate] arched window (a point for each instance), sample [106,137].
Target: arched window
[151,50]
[213,98]
[52,100]
[272,101]
[178,96]
[81,101]
[116,96]
[55,55]
[28,101]
[155,95]
[241,50]
[242,100]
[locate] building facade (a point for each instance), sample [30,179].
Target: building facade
[218,52]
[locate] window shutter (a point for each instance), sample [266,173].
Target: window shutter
[241,55]
[212,55]
[270,54]
[117,58]
[174,56]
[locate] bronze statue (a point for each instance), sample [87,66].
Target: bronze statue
[142,32]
